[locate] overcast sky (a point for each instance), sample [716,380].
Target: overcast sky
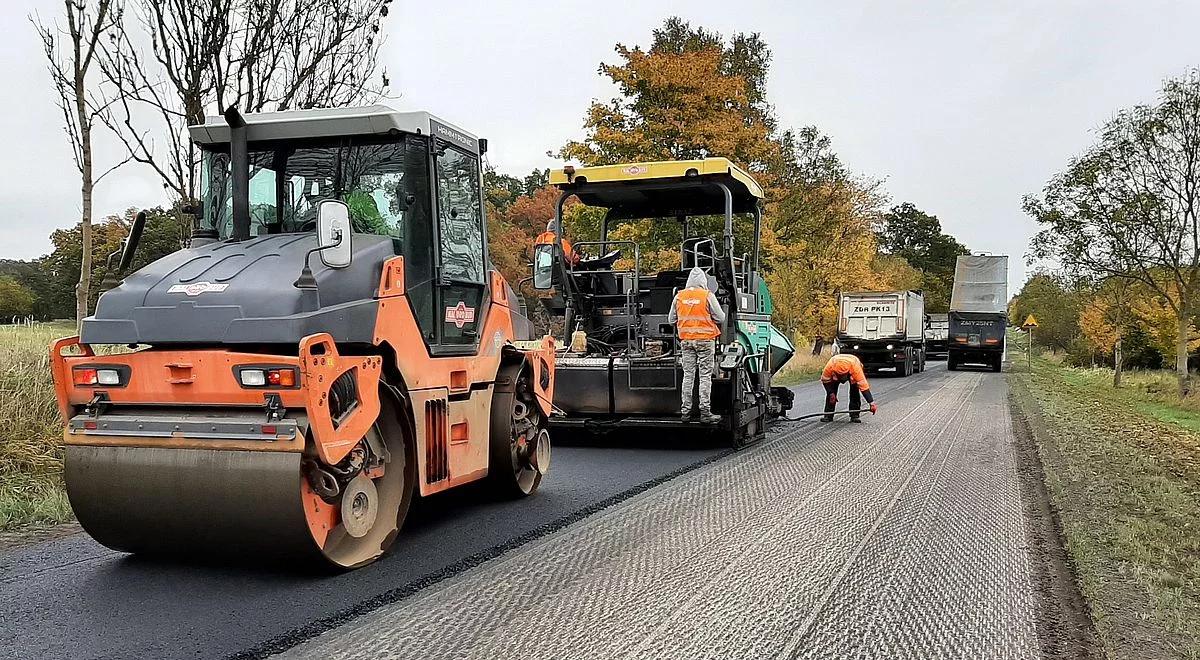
[961,107]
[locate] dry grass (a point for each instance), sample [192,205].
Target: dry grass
[802,368]
[1123,469]
[30,455]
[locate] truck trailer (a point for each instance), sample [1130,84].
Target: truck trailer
[978,312]
[937,329]
[885,329]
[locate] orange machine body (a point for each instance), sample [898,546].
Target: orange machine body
[450,397]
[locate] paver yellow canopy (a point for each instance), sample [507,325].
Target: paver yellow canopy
[304,372]
[627,371]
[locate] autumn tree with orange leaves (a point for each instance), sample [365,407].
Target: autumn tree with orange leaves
[694,94]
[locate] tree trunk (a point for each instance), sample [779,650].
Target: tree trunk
[1181,352]
[1117,363]
[83,289]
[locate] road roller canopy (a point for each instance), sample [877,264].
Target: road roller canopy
[378,120]
[661,189]
[373,158]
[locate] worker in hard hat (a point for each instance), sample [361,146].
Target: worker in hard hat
[843,368]
[697,317]
[549,236]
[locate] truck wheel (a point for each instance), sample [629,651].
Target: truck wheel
[951,364]
[997,363]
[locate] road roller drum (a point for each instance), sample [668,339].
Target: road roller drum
[290,393]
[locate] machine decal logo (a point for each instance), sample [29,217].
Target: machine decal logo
[460,315]
[634,170]
[197,288]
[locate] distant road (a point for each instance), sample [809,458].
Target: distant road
[898,537]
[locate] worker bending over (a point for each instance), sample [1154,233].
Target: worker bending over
[842,368]
[548,237]
[697,317]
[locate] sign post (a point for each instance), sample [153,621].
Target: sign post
[1028,326]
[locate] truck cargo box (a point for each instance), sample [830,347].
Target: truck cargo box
[937,331]
[885,329]
[980,284]
[882,315]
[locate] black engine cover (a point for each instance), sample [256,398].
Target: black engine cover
[242,292]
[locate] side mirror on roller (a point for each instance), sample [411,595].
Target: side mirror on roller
[334,233]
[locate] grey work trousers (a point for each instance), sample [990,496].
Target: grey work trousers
[697,354]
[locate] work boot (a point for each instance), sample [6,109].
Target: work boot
[709,417]
[827,418]
[685,415]
[856,420]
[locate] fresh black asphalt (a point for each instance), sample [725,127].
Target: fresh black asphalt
[72,598]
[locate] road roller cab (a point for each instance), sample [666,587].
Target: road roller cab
[621,368]
[333,342]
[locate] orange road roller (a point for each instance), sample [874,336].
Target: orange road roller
[333,341]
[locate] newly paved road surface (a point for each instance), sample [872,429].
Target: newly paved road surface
[901,536]
[901,539]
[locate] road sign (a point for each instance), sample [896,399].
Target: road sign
[1030,322]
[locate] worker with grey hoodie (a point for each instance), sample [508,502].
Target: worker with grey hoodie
[697,317]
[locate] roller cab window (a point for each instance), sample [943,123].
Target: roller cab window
[289,180]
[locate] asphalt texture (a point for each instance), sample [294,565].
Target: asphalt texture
[904,538]
[71,598]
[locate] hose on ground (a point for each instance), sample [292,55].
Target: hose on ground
[822,414]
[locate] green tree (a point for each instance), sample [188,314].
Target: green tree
[1057,306]
[1130,207]
[15,299]
[908,232]
[160,237]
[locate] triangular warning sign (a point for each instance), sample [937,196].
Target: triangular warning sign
[1030,322]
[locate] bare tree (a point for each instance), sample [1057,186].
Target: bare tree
[260,55]
[70,51]
[1130,207]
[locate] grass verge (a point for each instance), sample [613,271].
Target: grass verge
[804,367]
[30,452]
[1123,470]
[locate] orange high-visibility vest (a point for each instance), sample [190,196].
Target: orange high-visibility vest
[547,238]
[692,318]
[844,365]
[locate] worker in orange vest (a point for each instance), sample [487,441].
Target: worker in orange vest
[842,368]
[548,238]
[697,317]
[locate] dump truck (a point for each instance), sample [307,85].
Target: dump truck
[884,329]
[622,368]
[937,330]
[333,342]
[978,316]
